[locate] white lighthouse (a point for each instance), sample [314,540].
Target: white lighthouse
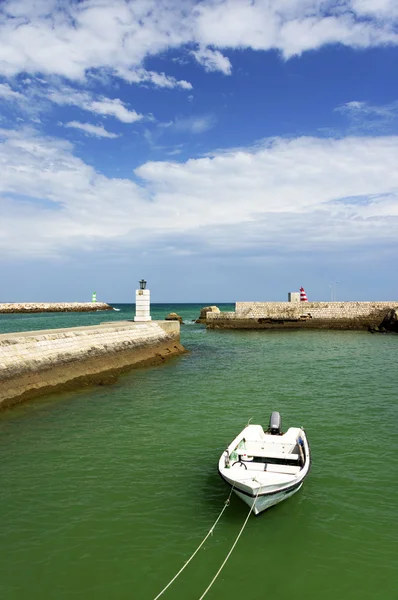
[142,303]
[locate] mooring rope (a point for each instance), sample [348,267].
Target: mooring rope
[232,548]
[226,504]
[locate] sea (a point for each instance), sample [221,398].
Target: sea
[105,492]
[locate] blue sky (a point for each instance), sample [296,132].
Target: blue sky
[224,150]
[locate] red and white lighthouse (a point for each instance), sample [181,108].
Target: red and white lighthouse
[303,295]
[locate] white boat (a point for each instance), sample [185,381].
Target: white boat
[266,467]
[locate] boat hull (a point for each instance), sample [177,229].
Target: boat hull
[261,503]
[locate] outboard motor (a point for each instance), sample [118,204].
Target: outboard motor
[275,424]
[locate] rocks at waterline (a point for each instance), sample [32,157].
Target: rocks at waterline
[388,325]
[204,311]
[174,317]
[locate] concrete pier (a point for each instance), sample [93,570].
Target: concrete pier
[37,307]
[39,362]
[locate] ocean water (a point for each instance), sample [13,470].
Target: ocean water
[105,492]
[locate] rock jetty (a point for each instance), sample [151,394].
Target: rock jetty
[174,317]
[388,325]
[204,311]
[37,307]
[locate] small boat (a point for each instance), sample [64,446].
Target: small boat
[266,467]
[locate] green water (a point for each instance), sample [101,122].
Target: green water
[106,492]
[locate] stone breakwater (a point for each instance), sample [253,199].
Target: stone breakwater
[302,315]
[36,307]
[204,311]
[41,362]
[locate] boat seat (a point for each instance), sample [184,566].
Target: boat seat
[254,447]
[268,453]
[288,469]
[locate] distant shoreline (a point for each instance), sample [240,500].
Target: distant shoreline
[38,307]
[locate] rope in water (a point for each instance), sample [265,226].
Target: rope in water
[226,504]
[232,548]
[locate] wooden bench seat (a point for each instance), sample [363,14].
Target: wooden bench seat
[267,453]
[282,469]
[288,469]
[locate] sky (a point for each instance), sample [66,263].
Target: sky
[223,150]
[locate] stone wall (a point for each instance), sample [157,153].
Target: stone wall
[35,363]
[36,307]
[309,315]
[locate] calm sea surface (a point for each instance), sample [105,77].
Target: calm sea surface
[104,493]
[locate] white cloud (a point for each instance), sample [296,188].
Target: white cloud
[34,92]
[99,105]
[95,130]
[358,109]
[115,36]
[304,193]
[181,125]
[196,124]
[281,175]
[364,117]
[158,79]
[351,107]
[213,60]
[7,93]
[44,187]
[380,9]
[290,26]
[118,36]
